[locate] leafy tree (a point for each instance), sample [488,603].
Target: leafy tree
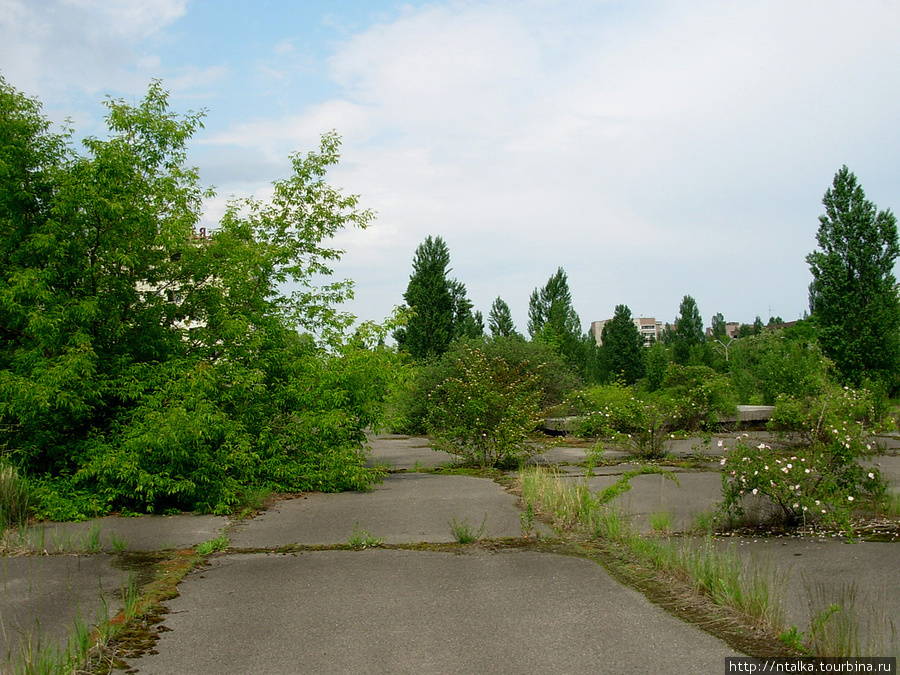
[688,331]
[500,320]
[853,296]
[430,328]
[552,319]
[622,347]
[718,327]
[154,368]
[465,323]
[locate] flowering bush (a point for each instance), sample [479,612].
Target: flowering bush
[819,478]
[606,410]
[485,414]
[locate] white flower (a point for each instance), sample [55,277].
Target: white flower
[722,461]
[796,506]
[720,443]
[871,475]
[790,466]
[806,470]
[755,490]
[849,498]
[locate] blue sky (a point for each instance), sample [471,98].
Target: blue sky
[652,149]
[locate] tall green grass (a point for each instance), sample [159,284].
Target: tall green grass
[15,502]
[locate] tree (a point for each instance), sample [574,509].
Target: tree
[718,327]
[151,368]
[688,332]
[622,347]
[465,323]
[500,320]
[552,319]
[853,296]
[429,295]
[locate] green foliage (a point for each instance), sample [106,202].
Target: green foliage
[211,546]
[776,362]
[145,368]
[657,360]
[361,539]
[408,401]
[463,533]
[622,347]
[500,320]
[697,396]
[439,311]
[819,479]
[688,332]
[486,413]
[606,410]
[15,499]
[552,319]
[853,296]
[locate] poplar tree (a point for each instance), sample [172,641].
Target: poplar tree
[853,296]
[500,320]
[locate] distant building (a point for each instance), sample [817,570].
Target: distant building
[648,327]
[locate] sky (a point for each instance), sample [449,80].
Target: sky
[652,149]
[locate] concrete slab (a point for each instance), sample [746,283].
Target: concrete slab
[140,533]
[406,508]
[405,452]
[383,611]
[41,596]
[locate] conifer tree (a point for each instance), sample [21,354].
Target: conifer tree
[500,319]
[623,347]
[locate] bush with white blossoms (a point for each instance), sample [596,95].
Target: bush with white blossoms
[817,479]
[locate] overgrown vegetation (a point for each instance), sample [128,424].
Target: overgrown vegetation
[147,368]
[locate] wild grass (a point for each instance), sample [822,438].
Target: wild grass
[207,548]
[464,533]
[360,539]
[844,624]
[15,501]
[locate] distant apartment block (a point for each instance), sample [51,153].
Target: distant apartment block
[648,327]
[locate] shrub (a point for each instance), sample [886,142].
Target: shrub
[605,410]
[819,478]
[697,396]
[408,400]
[485,414]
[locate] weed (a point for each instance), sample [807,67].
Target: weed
[661,521]
[794,639]
[118,543]
[418,466]
[220,543]
[526,520]
[463,532]
[842,624]
[361,539]
[593,457]
[15,502]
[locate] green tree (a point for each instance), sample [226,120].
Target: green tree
[430,328]
[500,320]
[156,369]
[466,324]
[718,327]
[853,296]
[552,319]
[688,332]
[622,347]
